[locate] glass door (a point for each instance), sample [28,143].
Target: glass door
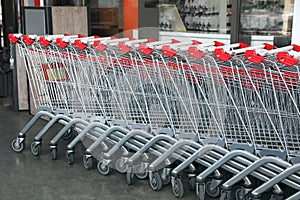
[266,20]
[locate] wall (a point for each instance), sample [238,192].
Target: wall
[296,27]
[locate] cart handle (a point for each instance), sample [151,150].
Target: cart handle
[101,45]
[223,55]
[126,46]
[148,48]
[282,55]
[45,40]
[14,37]
[63,42]
[29,39]
[171,50]
[286,59]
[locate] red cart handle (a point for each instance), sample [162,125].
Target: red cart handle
[14,38]
[27,39]
[79,44]
[123,47]
[195,53]
[168,51]
[286,59]
[221,54]
[44,42]
[144,49]
[252,56]
[61,43]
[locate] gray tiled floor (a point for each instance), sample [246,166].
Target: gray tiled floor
[23,176]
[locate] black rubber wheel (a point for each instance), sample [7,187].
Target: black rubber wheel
[192,183]
[53,153]
[140,173]
[177,188]
[155,181]
[212,192]
[16,146]
[102,168]
[71,158]
[120,166]
[87,162]
[35,149]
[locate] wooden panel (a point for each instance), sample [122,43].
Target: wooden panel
[71,20]
[105,17]
[22,82]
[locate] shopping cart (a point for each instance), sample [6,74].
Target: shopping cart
[134,103]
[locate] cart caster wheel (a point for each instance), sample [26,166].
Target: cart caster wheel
[201,191]
[121,166]
[53,153]
[240,194]
[67,135]
[166,180]
[140,173]
[70,158]
[192,183]
[225,195]
[212,192]
[155,181]
[102,168]
[17,146]
[130,177]
[87,162]
[177,188]
[36,149]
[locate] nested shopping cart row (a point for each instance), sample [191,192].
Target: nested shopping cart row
[125,98]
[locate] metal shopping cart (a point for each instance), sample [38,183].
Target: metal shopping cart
[228,113]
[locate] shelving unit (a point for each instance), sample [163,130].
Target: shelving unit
[202,15]
[264,17]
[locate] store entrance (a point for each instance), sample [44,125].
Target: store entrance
[8,24]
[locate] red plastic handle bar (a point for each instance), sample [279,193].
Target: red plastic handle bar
[12,38]
[79,44]
[196,42]
[168,51]
[286,59]
[151,40]
[62,44]
[269,46]
[252,56]
[175,41]
[218,44]
[243,45]
[145,50]
[80,36]
[99,46]
[123,47]
[27,39]
[44,42]
[296,47]
[195,53]
[222,55]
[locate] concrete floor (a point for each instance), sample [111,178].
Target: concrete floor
[23,176]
